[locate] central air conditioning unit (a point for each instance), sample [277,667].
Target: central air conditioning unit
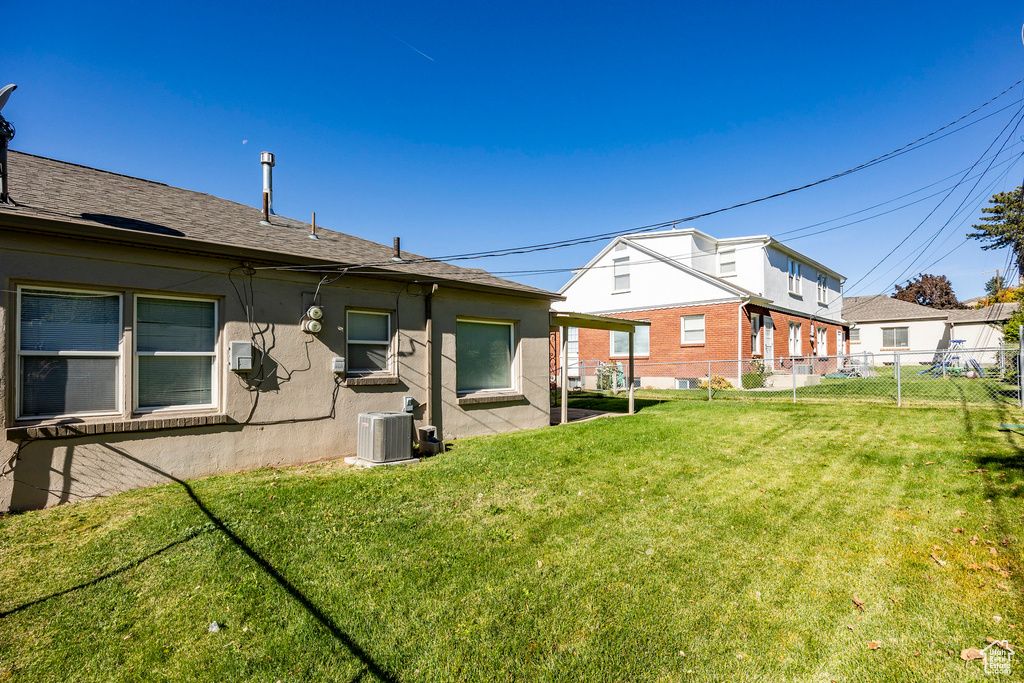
[384,437]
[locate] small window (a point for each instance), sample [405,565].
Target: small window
[795,285]
[855,335]
[69,352]
[641,342]
[692,329]
[727,262]
[484,353]
[175,352]
[823,289]
[368,337]
[755,333]
[620,269]
[895,338]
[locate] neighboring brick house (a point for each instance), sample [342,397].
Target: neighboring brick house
[729,301]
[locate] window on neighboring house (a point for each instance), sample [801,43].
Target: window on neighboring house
[69,352]
[175,352]
[795,285]
[692,329]
[823,289]
[855,335]
[641,342]
[727,262]
[822,341]
[484,354]
[794,339]
[755,333]
[895,338]
[368,337]
[620,270]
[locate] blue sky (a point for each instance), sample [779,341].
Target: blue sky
[472,126]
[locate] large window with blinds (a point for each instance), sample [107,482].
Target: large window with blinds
[484,355]
[69,352]
[72,353]
[175,350]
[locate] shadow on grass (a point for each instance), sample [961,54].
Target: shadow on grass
[120,570]
[311,608]
[612,404]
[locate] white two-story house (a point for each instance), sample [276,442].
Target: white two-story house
[707,299]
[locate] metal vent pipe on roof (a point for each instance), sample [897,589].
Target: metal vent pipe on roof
[397,256]
[267,159]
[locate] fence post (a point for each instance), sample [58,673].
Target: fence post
[709,380]
[899,382]
[792,369]
[1020,366]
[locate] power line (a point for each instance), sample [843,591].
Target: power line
[545,246]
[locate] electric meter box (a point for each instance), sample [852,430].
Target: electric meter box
[240,356]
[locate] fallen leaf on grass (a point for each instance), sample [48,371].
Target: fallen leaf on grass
[942,563]
[858,603]
[957,530]
[874,644]
[974,540]
[849,626]
[992,551]
[977,471]
[962,513]
[930,462]
[971,653]
[973,567]
[1003,586]
[894,600]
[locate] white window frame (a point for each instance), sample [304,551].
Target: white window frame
[513,369]
[795,281]
[703,328]
[727,257]
[611,343]
[822,342]
[620,269]
[389,369]
[215,354]
[895,344]
[855,335]
[823,289]
[119,354]
[795,340]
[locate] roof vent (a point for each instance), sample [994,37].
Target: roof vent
[267,159]
[397,255]
[6,135]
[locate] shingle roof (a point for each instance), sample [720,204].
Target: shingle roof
[859,309]
[989,314]
[134,210]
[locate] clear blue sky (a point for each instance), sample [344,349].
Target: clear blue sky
[469,126]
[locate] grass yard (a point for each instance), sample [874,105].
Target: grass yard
[691,542]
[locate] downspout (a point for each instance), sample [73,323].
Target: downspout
[432,411]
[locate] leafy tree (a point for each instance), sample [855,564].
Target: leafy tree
[996,284]
[1011,329]
[934,291]
[1003,226]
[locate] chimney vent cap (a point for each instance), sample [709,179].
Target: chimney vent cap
[267,158]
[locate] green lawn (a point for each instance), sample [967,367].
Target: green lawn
[693,541]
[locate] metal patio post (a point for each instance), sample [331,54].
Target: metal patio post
[899,381]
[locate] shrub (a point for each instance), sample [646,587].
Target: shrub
[752,380]
[718,383]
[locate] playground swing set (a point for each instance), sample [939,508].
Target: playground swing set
[955,361]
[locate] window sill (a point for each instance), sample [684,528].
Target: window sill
[369,380]
[691,345]
[66,429]
[620,291]
[626,357]
[490,397]
[796,295]
[895,348]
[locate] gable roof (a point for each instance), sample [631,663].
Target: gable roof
[90,203]
[996,313]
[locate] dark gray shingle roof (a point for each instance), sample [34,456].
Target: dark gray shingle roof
[995,313]
[54,190]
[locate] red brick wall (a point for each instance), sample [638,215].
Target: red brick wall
[720,343]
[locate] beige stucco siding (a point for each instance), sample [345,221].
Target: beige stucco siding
[300,411]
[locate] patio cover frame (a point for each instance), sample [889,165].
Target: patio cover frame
[564,320]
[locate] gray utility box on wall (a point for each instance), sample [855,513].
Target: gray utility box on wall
[384,437]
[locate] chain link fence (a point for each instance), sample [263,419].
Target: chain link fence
[911,377]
